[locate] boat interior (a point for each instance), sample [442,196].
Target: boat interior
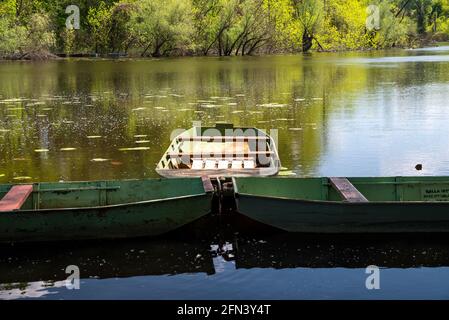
[221,148]
[41,196]
[380,189]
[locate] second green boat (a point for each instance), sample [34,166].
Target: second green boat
[353,205]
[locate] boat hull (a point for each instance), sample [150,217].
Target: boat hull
[339,217]
[151,218]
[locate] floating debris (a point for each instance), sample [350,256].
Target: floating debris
[94,137]
[134,149]
[99,160]
[287,173]
[2,175]
[140,136]
[67,149]
[139,109]
[4,130]
[240,95]
[237,111]
[295,129]
[300,99]
[317,99]
[143,141]
[22,178]
[232,103]
[272,105]
[116,163]
[41,150]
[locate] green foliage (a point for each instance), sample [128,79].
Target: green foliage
[220,27]
[161,27]
[99,22]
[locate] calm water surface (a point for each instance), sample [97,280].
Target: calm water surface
[353,114]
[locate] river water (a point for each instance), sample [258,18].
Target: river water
[336,114]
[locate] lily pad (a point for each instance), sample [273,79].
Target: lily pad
[99,160]
[22,178]
[134,149]
[287,173]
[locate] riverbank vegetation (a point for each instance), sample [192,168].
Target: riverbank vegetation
[36,29]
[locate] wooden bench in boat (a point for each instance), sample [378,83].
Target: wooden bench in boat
[210,164]
[219,154]
[224,138]
[15,198]
[346,190]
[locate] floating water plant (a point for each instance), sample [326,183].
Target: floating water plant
[99,160]
[22,178]
[134,149]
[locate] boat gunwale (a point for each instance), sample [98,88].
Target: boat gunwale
[113,206]
[340,202]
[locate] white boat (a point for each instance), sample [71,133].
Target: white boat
[220,151]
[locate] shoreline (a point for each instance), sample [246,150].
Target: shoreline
[120,56]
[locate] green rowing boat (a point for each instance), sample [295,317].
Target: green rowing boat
[340,205]
[105,209]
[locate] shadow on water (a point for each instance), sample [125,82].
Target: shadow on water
[251,245]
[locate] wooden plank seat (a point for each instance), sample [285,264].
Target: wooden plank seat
[237,164]
[197,164]
[249,164]
[210,164]
[223,164]
[219,155]
[346,190]
[223,138]
[15,198]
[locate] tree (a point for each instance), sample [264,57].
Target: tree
[99,22]
[162,26]
[310,15]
